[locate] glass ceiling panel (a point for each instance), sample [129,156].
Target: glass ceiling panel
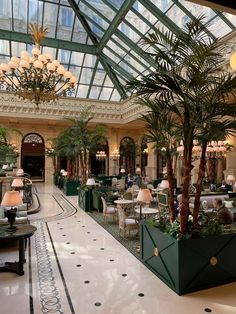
[218,27]
[231,18]
[104,43]
[79,33]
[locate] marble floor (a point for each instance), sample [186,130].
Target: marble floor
[74,266]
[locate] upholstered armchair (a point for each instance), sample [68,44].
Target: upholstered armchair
[126,223]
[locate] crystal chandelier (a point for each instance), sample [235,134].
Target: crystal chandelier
[37,78]
[214,149]
[115,155]
[101,155]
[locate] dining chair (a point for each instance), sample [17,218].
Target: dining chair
[108,210]
[126,223]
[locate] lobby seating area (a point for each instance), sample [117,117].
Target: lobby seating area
[89,259]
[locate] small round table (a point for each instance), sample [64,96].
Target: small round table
[22,232]
[146,211]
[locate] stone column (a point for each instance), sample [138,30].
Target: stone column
[151,168]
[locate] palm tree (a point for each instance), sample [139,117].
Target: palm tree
[162,128]
[190,79]
[78,141]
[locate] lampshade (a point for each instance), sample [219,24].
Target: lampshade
[164,184]
[17,183]
[138,170]
[64,173]
[19,172]
[122,170]
[230,177]
[4,167]
[62,170]
[11,198]
[144,195]
[90,181]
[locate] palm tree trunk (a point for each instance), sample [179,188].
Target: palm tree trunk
[201,175]
[187,168]
[170,178]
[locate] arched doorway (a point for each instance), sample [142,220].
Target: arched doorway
[99,160]
[128,154]
[33,156]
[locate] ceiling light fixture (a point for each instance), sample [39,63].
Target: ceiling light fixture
[37,78]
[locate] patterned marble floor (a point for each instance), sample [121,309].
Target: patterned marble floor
[75,266]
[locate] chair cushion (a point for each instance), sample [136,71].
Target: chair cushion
[110,210]
[130,221]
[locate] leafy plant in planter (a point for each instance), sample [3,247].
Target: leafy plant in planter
[76,142]
[191,84]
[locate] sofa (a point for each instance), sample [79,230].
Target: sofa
[21,215]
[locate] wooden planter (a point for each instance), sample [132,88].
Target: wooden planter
[189,265]
[84,198]
[70,187]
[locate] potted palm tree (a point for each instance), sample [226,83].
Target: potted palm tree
[191,86]
[76,143]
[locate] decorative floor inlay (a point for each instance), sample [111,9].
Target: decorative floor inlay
[49,295]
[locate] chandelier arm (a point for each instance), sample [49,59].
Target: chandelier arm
[16,76]
[9,78]
[61,87]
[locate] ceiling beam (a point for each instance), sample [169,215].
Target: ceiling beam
[48,42]
[119,17]
[224,6]
[83,21]
[94,40]
[161,16]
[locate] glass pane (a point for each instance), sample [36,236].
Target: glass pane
[94,93]
[35,11]
[231,18]
[79,34]
[86,76]
[20,16]
[115,96]
[4,47]
[105,94]
[82,91]
[65,23]
[90,60]
[50,18]
[99,77]
[77,58]
[218,27]
[5,14]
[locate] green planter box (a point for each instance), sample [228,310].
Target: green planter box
[55,179]
[70,187]
[85,198]
[189,265]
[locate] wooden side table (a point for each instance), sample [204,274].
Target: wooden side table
[22,232]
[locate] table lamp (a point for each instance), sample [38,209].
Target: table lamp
[122,170]
[90,182]
[20,173]
[10,199]
[164,184]
[17,184]
[144,196]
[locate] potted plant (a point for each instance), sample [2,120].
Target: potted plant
[75,143]
[190,86]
